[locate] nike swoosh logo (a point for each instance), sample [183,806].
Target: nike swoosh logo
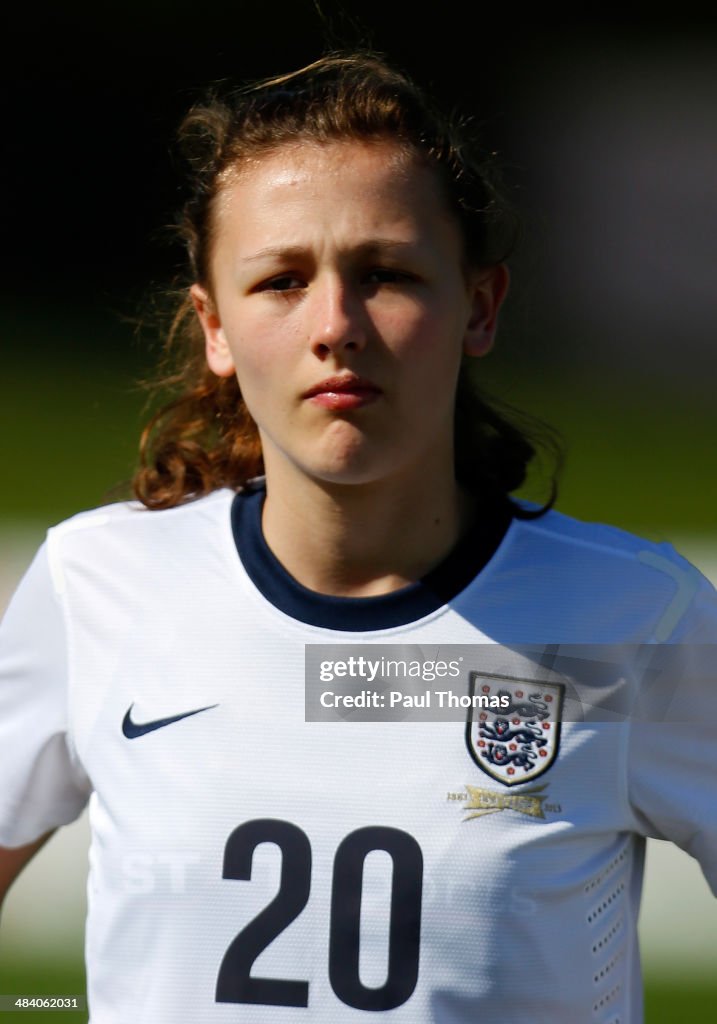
[134,729]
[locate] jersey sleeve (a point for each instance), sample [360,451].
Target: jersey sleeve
[672,741]
[42,784]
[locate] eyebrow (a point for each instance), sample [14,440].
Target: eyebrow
[289,252]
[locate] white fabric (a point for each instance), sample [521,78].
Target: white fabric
[524,920]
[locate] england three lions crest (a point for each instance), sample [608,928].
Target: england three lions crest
[519,740]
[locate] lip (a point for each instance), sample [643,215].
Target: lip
[345,391]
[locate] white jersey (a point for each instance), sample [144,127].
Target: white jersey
[249,865]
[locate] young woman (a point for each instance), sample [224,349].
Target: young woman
[323,475]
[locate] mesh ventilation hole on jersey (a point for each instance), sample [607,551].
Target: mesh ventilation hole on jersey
[608,936]
[604,971]
[606,999]
[607,902]
[614,863]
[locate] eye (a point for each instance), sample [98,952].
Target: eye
[281,283]
[388,275]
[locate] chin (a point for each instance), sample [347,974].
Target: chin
[352,469]
[345,458]
[364,471]
[348,476]
[349,458]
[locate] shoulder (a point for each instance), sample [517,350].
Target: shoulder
[132,516]
[587,542]
[557,529]
[126,532]
[592,575]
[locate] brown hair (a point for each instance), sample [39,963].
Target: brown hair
[204,438]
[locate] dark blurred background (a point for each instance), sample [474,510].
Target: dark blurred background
[605,126]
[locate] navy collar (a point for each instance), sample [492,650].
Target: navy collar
[357,614]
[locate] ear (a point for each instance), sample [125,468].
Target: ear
[219,357]
[488,288]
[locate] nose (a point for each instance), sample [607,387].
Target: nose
[337,317]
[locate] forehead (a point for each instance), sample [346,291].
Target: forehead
[305,159]
[343,185]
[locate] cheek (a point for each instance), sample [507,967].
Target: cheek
[432,362]
[256,352]
[422,325]
[430,349]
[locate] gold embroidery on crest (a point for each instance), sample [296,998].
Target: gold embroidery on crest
[487,801]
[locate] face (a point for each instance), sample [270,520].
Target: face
[340,300]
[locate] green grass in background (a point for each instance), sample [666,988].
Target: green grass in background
[56,978]
[671,1003]
[640,458]
[69,414]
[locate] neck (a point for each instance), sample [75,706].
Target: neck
[362,540]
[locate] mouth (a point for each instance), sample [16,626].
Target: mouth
[347,391]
